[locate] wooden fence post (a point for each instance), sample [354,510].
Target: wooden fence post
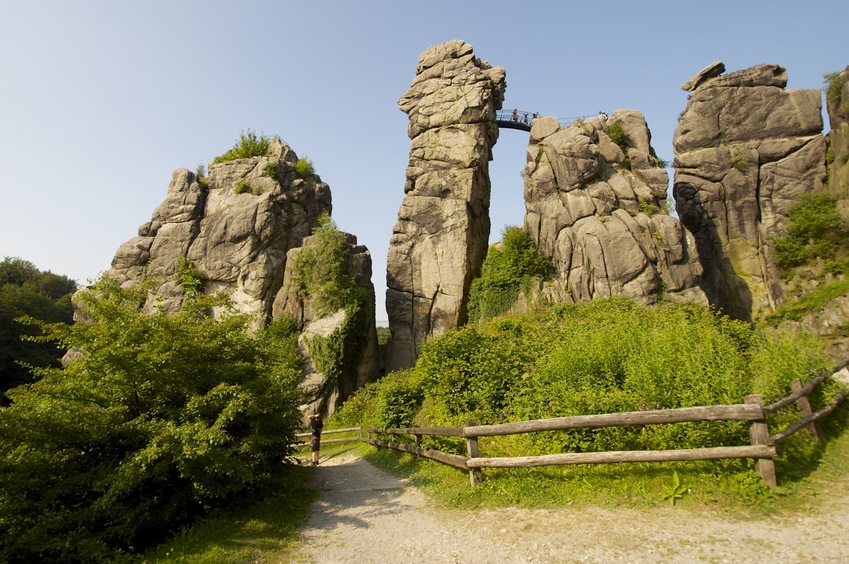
[759,435]
[473,452]
[804,405]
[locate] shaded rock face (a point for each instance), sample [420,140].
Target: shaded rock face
[745,149]
[237,241]
[440,240]
[598,209]
[838,138]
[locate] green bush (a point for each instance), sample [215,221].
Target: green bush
[243,187]
[833,86]
[815,230]
[188,276]
[162,419]
[304,167]
[248,145]
[618,135]
[607,356]
[507,270]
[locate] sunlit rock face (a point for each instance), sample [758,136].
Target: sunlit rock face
[440,240]
[745,149]
[595,195]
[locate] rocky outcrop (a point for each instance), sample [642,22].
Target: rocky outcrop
[328,384]
[240,230]
[598,208]
[440,239]
[745,148]
[837,101]
[235,227]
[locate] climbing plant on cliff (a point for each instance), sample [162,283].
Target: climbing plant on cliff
[815,230]
[322,274]
[507,271]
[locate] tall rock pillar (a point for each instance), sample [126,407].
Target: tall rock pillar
[440,240]
[745,149]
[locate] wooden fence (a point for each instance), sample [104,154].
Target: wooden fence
[762,445]
[333,432]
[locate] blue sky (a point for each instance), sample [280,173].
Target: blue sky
[102,100]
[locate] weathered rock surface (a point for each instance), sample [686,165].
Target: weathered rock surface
[745,149]
[838,138]
[240,228]
[598,209]
[237,241]
[440,239]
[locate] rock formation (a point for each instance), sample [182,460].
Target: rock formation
[598,208]
[239,229]
[440,239]
[745,148]
[837,99]
[358,353]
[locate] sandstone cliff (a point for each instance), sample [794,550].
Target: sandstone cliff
[440,239]
[239,228]
[745,148]
[598,208]
[837,98]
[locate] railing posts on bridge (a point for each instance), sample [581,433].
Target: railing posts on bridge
[473,451]
[759,435]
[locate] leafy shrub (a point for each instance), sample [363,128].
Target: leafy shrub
[272,169]
[507,270]
[163,418]
[243,187]
[304,167]
[648,208]
[188,276]
[739,162]
[618,135]
[814,230]
[248,145]
[834,82]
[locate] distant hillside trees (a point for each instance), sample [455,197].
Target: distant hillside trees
[27,291]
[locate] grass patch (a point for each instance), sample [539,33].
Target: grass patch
[249,145]
[810,302]
[263,532]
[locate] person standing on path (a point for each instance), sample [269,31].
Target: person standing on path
[316,425]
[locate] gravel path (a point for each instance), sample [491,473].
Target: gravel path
[365,515]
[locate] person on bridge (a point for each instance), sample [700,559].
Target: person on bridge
[316,425]
[515,114]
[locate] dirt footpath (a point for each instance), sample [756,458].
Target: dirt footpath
[365,515]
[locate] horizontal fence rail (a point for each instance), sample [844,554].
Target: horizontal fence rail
[333,432]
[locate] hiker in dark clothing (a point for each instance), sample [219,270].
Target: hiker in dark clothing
[316,425]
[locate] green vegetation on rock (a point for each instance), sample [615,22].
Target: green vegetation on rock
[508,270]
[304,167]
[815,230]
[248,145]
[618,135]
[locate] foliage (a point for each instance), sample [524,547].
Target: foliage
[272,169]
[833,82]
[809,302]
[814,230]
[162,418]
[188,276]
[675,490]
[662,163]
[739,162]
[648,208]
[507,271]
[618,135]
[243,187]
[248,145]
[321,270]
[27,291]
[383,335]
[322,273]
[304,167]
